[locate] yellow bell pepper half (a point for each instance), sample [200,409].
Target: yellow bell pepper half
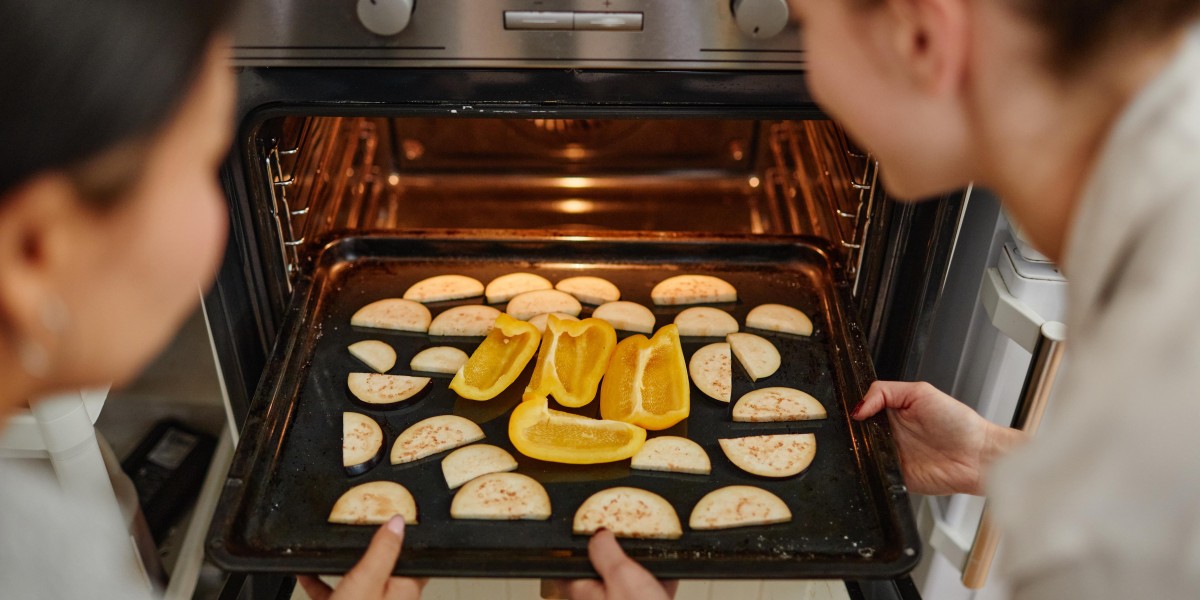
[539,432]
[572,360]
[647,381]
[497,361]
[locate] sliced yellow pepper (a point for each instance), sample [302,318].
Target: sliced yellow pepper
[572,360]
[539,432]
[498,361]
[647,382]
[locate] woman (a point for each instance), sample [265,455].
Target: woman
[1084,115]
[114,117]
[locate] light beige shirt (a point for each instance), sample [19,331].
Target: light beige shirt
[1105,502]
[54,547]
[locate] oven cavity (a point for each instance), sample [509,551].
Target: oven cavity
[329,177]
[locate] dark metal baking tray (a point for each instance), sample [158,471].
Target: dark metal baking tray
[851,512]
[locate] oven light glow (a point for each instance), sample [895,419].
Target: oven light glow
[575,152]
[754,182]
[393,179]
[575,206]
[575,182]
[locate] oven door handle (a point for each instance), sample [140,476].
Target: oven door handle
[1035,396]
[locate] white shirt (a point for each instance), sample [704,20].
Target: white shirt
[53,547]
[1105,502]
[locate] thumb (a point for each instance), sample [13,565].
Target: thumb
[622,576]
[370,576]
[606,554]
[896,395]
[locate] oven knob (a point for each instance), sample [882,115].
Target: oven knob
[385,17]
[760,19]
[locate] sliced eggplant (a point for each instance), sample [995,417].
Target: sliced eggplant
[362,443]
[374,388]
[374,503]
[375,354]
[705,321]
[757,355]
[439,359]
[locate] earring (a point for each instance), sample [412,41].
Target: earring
[33,358]
[55,315]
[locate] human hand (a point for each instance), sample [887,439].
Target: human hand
[622,578]
[371,578]
[945,446]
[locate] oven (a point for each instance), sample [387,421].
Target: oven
[565,122]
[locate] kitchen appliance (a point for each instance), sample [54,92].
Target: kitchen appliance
[570,121]
[997,346]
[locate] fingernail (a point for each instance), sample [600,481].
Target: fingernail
[857,407]
[396,525]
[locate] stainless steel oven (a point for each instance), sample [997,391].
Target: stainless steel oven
[676,119]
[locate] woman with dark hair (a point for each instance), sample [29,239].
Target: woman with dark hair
[114,117]
[1084,115]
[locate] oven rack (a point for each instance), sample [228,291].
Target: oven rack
[820,166]
[336,170]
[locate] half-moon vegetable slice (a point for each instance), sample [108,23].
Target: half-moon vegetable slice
[738,506]
[438,359]
[393,313]
[628,512]
[711,369]
[444,287]
[777,404]
[531,304]
[773,456]
[673,454]
[362,443]
[757,355]
[374,388]
[470,462]
[777,317]
[501,497]
[375,354]
[705,321]
[433,435]
[504,287]
[693,289]
[590,290]
[374,503]
[626,316]
[473,320]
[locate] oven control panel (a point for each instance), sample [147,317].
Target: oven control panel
[385,17]
[626,34]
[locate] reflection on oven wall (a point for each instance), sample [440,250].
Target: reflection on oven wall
[974,355]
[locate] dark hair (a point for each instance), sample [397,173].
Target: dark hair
[1080,29]
[84,81]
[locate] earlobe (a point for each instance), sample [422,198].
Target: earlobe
[931,39]
[33,230]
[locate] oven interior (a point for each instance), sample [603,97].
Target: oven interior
[333,176]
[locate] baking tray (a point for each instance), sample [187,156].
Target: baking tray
[852,517]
